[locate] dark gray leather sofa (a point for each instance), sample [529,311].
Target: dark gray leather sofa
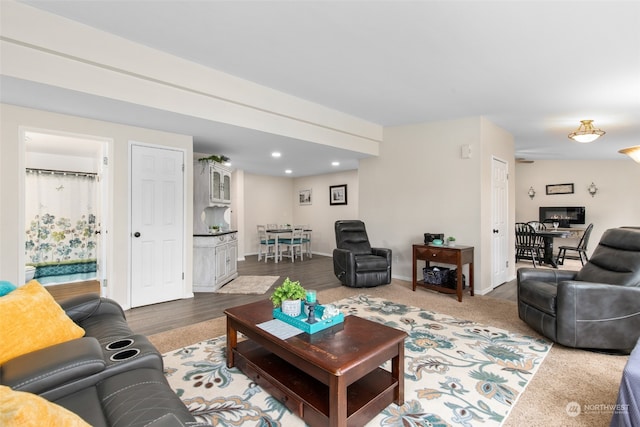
[110,377]
[597,307]
[355,262]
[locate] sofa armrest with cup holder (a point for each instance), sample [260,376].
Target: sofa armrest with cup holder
[109,376]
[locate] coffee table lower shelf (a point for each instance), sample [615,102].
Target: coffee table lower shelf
[307,397]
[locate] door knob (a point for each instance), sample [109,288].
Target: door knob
[136,234]
[495,231]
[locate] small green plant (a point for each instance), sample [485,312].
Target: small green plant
[287,290]
[451,239]
[214,158]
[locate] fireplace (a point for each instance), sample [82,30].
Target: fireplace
[565,215]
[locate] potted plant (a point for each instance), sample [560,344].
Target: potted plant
[451,241]
[288,296]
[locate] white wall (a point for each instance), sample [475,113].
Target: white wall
[275,200]
[420,183]
[320,215]
[617,202]
[15,120]
[267,200]
[62,162]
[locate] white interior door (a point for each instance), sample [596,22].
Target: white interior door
[157,225]
[499,221]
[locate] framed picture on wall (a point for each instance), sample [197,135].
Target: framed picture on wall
[304,197]
[338,194]
[560,189]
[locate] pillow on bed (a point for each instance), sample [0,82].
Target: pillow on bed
[22,409]
[30,319]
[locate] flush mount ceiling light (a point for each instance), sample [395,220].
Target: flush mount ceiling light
[633,152]
[586,132]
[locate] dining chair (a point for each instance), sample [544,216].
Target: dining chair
[266,243]
[538,241]
[537,225]
[526,243]
[306,238]
[581,248]
[272,226]
[294,245]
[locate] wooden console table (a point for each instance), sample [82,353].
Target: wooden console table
[458,255]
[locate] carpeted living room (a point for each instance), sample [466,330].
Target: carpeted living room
[531,381]
[216,136]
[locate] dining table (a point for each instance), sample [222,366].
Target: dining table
[277,232]
[548,236]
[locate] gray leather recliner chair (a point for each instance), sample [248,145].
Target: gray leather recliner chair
[597,307]
[355,262]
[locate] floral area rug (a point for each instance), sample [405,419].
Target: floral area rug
[457,373]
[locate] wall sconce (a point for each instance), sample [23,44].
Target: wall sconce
[531,193]
[592,189]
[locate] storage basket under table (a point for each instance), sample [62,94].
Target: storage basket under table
[436,275]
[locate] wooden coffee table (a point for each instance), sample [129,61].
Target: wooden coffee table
[332,377]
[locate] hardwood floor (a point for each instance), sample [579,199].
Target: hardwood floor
[315,273]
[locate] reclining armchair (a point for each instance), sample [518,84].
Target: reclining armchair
[597,307]
[355,262]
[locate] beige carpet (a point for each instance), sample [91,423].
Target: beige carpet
[248,285]
[566,376]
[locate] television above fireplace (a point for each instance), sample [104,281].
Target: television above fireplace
[566,215]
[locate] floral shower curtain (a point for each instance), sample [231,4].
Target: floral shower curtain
[61,240]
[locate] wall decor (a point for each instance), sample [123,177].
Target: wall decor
[560,189]
[305,197]
[338,194]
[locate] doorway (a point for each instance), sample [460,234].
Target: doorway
[66,186]
[499,221]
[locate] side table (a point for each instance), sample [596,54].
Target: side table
[458,255]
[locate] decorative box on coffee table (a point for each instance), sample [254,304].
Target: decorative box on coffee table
[300,321]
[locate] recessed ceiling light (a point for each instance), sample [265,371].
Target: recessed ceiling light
[288,171]
[335,163]
[275,154]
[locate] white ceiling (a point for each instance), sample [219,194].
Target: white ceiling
[535,68]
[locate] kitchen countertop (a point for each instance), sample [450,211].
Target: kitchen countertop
[220,233]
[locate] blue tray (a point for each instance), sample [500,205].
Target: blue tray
[300,321]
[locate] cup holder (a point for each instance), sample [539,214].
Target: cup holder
[120,344]
[124,354]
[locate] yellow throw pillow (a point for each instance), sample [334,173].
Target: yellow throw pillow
[30,319]
[21,409]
